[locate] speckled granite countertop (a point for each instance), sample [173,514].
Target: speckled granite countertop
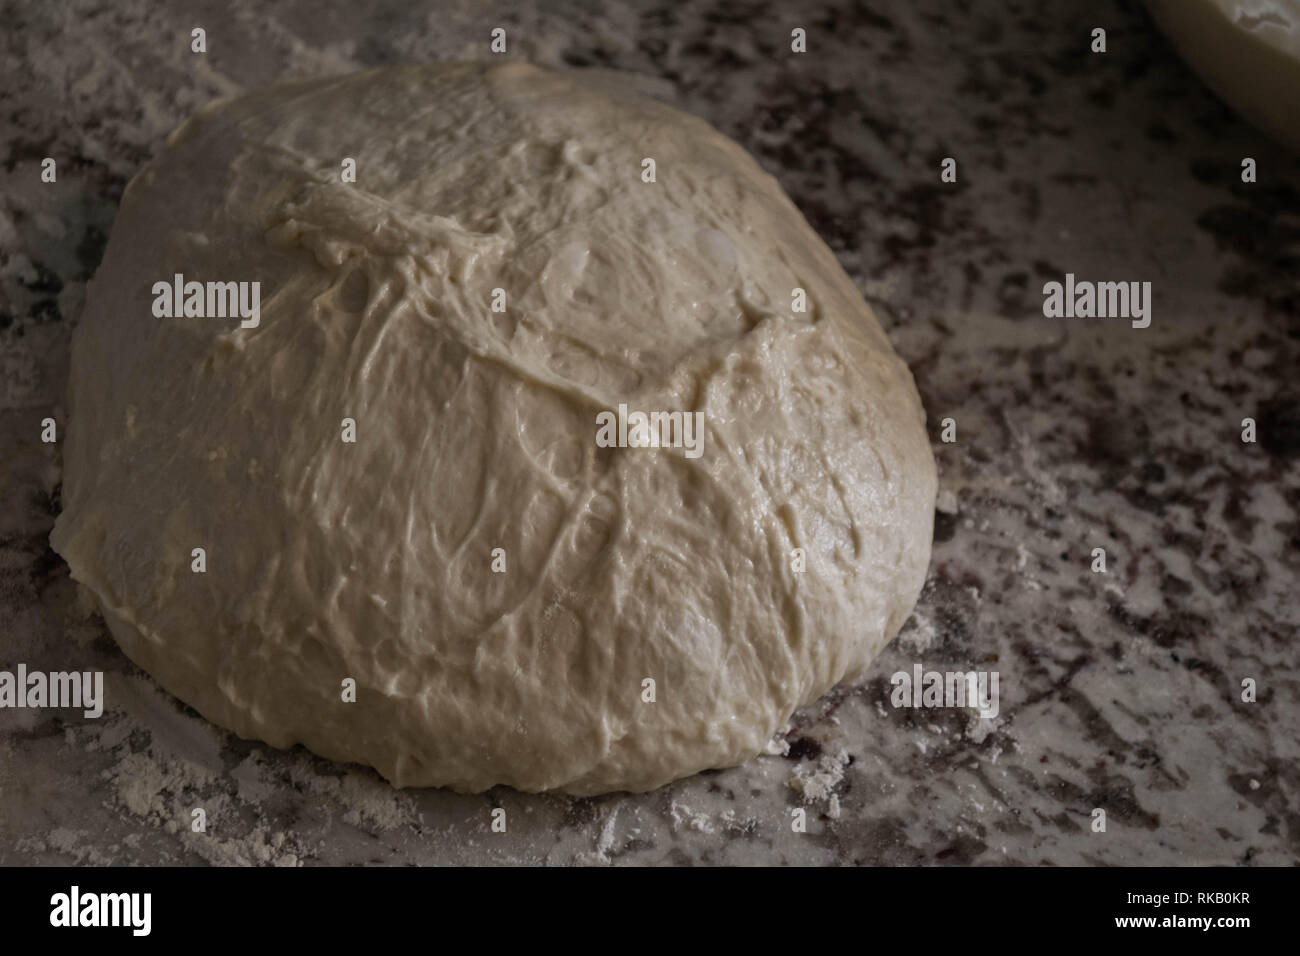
[1118,691]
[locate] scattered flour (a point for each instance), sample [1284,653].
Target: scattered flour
[605,842]
[920,636]
[816,783]
[683,815]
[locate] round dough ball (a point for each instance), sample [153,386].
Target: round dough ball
[475,430]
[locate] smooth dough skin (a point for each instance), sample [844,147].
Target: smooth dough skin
[475,430]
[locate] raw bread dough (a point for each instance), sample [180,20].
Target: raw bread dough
[475,430]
